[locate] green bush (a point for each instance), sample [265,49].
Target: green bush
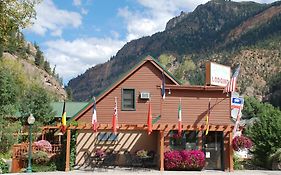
[275,160]
[44,168]
[40,157]
[265,133]
[237,163]
[3,167]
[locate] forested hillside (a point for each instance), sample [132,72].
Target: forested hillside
[226,32]
[27,83]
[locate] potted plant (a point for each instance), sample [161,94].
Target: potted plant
[142,153]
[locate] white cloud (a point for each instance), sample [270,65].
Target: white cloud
[74,57]
[54,20]
[77,2]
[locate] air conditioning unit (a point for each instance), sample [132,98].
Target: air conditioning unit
[145,95]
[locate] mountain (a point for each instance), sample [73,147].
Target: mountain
[226,32]
[34,66]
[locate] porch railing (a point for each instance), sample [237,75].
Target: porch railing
[22,149]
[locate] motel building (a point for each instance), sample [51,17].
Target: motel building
[134,93]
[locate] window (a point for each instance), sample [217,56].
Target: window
[107,136]
[188,140]
[191,140]
[128,99]
[177,142]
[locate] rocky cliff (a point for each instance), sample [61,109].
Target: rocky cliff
[223,31]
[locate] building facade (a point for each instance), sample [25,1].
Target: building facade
[134,92]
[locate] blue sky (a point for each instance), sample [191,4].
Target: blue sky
[78,34]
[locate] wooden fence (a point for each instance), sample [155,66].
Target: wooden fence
[21,150]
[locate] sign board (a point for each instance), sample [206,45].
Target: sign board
[208,155]
[236,102]
[217,74]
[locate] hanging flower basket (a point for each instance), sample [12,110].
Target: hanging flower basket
[241,143]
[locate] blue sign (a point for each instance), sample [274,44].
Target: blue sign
[236,101]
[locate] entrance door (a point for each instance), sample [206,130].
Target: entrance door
[213,147]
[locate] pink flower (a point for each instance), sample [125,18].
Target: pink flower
[241,142]
[43,145]
[185,159]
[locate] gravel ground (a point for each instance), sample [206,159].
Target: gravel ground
[124,171]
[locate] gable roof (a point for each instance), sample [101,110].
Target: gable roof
[123,77]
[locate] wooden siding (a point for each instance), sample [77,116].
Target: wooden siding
[148,78]
[195,107]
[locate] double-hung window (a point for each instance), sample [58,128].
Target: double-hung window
[128,100]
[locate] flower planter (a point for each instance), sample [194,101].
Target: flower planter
[193,160]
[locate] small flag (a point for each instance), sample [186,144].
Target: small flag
[115,118]
[231,85]
[179,119]
[238,118]
[163,86]
[149,119]
[207,117]
[63,119]
[94,117]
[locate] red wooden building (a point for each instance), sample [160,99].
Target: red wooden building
[132,92]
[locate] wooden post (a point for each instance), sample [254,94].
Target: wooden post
[161,150]
[67,158]
[230,152]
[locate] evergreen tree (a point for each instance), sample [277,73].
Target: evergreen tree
[54,71]
[47,67]
[39,59]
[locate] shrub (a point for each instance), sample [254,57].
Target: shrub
[275,160]
[3,167]
[184,160]
[38,157]
[237,163]
[241,142]
[265,133]
[43,145]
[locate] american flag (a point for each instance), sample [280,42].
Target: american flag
[115,118]
[231,85]
[94,117]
